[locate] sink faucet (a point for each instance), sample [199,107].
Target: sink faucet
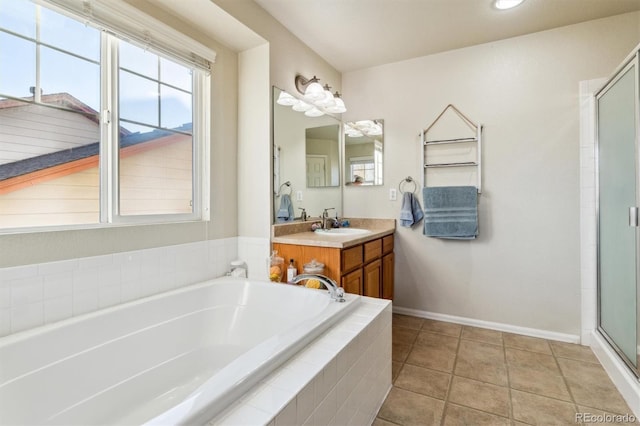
[335,291]
[325,217]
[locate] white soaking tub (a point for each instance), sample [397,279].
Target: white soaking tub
[176,358]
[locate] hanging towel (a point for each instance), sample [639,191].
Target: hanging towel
[285,212]
[411,212]
[451,212]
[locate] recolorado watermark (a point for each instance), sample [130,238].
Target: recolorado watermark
[605,418]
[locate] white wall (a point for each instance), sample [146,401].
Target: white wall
[524,268]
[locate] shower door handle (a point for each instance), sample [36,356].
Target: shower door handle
[633,217]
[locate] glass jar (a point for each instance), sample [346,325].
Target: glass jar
[239,269]
[314,267]
[275,265]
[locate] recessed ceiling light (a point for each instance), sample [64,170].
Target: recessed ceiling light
[506,4]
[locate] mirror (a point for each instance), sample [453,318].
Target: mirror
[306,162]
[363,152]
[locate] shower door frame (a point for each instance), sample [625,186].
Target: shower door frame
[633,60]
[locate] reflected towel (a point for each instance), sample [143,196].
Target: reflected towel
[451,212]
[285,212]
[410,212]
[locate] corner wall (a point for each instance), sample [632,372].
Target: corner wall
[524,269]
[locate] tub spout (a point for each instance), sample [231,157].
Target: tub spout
[335,291]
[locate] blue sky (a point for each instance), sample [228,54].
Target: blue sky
[80,76]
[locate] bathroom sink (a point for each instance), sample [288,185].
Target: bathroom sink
[342,232]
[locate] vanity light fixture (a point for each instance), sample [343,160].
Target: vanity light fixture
[321,97]
[357,129]
[506,4]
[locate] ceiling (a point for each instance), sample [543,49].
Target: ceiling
[355,34]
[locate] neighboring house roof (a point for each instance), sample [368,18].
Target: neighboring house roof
[15,175]
[63,100]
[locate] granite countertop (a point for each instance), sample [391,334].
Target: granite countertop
[299,233]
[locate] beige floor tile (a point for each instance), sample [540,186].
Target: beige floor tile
[409,408]
[381,422]
[527,343]
[482,335]
[481,396]
[539,410]
[399,351]
[573,351]
[435,340]
[436,358]
[590,386]
[407,321]
[395,369]
[456,415]
[542,383]
[531,360]
[406,336]
[595,416]
[481,361]
[441,327]
[422,380]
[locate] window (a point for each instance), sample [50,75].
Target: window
[95,128]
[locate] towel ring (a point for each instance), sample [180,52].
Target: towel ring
[408,179]
[287,183]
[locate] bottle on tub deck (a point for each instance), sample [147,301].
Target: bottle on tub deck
[292,271]
[275,265]
[239,269]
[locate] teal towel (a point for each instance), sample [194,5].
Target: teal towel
[451,212]
[411,212]
[285,212]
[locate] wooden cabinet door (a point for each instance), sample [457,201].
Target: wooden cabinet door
[352,282]
[388,262]
[372,278]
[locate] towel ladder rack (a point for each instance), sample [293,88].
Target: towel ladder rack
[477,139]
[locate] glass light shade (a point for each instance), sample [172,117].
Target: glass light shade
[338,108]
[355,134]
[314,91]
[286,99]
[506,4]
[301,106]
[375,130]
[327,101]
[313,112]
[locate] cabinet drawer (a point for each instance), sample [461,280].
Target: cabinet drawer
[372,250]
[351,258]
[387,244]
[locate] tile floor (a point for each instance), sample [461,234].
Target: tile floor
[448,374]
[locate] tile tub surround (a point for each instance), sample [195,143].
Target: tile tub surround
[446,373]
[299,233]
[39,294]
[341,378]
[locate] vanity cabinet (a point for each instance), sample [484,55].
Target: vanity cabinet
[366,268]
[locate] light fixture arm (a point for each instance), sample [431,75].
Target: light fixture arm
[302,82]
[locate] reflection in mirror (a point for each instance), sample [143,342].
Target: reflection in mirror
[322,150]
[363,149]
[306,155]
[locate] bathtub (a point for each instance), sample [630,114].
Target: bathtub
[180,357]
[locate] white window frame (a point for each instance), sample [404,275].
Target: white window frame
[126,21]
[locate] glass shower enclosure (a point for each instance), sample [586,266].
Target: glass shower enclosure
[618,202]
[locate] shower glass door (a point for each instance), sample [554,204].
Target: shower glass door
[617,157]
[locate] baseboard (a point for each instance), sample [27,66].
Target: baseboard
[533,332]
[622,378]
